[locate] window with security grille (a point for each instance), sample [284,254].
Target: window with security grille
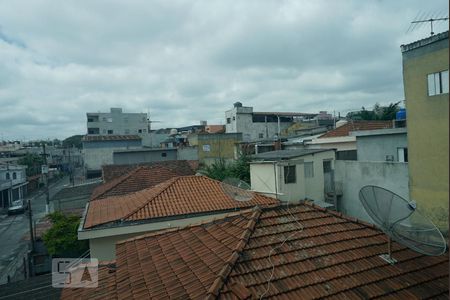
[290,174]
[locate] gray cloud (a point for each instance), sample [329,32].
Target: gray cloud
[190,60]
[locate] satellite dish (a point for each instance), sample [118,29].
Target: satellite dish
[237,189]
[400,220]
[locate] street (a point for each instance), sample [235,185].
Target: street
[13,228]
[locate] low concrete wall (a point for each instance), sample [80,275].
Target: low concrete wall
[354,175]
[187,153]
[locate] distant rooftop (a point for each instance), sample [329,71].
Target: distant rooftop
[284,114]
[140,178]
[112,172]
[424,42]
[144,150]
[103,138]
[286,154]
[345,129]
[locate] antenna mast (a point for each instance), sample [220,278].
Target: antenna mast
[431,20]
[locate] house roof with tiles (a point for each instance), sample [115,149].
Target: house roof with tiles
[313,253]
[178,197]
[345,129]
[182,167]
[142,177]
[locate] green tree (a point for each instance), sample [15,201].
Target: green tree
[33,163]
[73,141]
[378,113]
[62,239]
[220,169]
[241,168]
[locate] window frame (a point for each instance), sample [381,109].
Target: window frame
[290,174]
[309,173]
[437,83]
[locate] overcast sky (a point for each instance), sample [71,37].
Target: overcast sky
[186,61]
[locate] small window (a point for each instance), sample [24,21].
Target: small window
[140,131]
[234,118]
[309,169]
[402,154]
[14,175]
[8,176]
[228,120]
[290,174]
[144,130]
[438,83]
[261,135]
[109,120]
[327,166]
[164,154]
[104,119]
[110,132]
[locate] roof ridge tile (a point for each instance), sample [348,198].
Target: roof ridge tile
[198,224]
[114,183]
[167,184]
[222,276]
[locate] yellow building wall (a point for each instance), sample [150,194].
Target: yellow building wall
[428,136]
[216,146]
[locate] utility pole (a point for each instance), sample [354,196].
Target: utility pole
[30,217]
[47,192]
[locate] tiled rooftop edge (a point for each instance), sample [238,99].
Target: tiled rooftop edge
[424,42]
[233,214]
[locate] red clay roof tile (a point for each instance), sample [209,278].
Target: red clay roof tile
[175,197]
[140,178]
[332,257]
[345,129]
[181,167]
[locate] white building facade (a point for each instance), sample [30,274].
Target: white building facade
[117,122]
[13,184]
[258,125]
[292,175]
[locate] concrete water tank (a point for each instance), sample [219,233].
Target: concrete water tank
[237,104]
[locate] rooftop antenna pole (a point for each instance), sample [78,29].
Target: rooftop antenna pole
[431,20]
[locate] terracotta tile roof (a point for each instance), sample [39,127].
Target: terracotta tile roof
[106,286]
[101,138]
[345,129]
[182,167]
[332,257]
[178,196]
[140,178]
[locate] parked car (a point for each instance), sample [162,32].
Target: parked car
[18,206]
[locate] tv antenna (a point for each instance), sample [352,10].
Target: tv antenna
[237,189]
[149,121]
[400,220]
[422,18]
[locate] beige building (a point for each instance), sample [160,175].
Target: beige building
[292,175]
[212,147]
[425,78]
